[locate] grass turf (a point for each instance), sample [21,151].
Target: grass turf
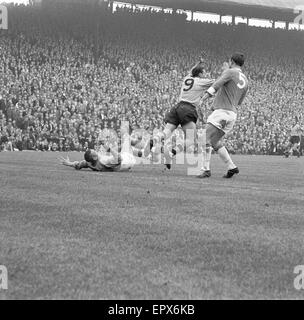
[150,234]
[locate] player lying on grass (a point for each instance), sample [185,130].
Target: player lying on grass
[110,160]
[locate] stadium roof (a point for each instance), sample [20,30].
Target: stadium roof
[288,4]
[277,10]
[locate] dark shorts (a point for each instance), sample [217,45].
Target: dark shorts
[182,114]
[294,139]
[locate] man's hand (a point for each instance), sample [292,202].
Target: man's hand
[66,162]
[205,97]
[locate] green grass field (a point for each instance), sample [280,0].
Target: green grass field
[150,234]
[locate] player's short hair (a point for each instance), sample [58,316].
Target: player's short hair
[197,70]
[238,58]
[88,156]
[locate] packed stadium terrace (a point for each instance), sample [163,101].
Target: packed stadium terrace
[70,73]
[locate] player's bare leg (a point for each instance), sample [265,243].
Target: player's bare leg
[163,136]
[214,140]
[289,150]
[139,147]
[296,149]
[205,171]
[190,136]
[189,130]
[213,136]
[159,144]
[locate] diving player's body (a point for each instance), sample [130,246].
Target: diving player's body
[185,113]
[101,162]
[229,91]
[110,161]
[295,141]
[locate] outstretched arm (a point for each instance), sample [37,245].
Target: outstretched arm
[78,165]
[220,82]
[201,60]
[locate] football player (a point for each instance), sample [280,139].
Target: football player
[110,160]
[185,113]
[295,141]
[229,91]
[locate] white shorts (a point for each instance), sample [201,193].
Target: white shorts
[223,119]
[128,161]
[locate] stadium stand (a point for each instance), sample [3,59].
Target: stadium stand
[72,73]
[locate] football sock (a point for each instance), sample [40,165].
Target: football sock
[167,154]
[159,137]
[224,155]
[178,149]
[156,143]
[206,158]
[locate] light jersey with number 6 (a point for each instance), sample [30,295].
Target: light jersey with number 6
[231,88]
[193,90]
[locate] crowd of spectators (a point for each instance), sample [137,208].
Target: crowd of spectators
[70,74]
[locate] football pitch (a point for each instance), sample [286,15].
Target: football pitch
[149,234]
